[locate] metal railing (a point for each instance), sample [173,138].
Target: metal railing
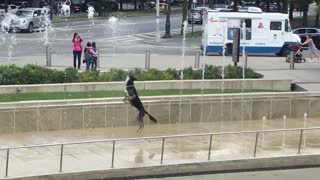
[163,139]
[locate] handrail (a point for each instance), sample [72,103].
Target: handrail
[161,137]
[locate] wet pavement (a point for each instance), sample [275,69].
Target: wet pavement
[147,152]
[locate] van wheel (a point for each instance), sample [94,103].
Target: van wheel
[283,51]
[30,28]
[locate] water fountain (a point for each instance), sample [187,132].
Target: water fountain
[305,116]
[91,12]
[9,40]
[284,133]
[204,52]
[65,11]
[46,30]
[113,24]
[185,25]
[222,76]
[264,119]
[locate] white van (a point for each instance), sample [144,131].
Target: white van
[265,32]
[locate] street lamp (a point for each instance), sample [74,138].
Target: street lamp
[167,33]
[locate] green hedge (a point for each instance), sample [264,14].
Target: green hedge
[33,74]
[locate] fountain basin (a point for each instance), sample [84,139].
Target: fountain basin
[39,116]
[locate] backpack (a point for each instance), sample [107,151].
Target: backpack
[87,54]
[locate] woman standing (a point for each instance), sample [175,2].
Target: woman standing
[311,47]
[77,49]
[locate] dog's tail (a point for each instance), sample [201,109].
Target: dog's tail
[151,117]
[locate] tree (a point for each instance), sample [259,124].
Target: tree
[184,14]
[317,12]
[304,4]
[284,6]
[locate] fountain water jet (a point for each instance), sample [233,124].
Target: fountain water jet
[91,12]
[222,76]
[284,133]
[204,52]
[65,11]
[113,21]
[264,119]
[8,39]
[46,29]
[305,115]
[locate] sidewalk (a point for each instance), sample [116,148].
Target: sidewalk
[305,74]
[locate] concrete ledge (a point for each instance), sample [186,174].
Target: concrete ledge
[277,85]
[36,116]
[196,168]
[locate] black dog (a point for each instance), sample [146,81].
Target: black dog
[131,95]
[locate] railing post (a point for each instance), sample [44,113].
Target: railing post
[210,144]
[162,150]
[255,145]
[48,56]
[300,141]
[61,157]
[7,162]
[245,60]
[147,59]
[98,58]
[291,60]
[113,149]
[197,60]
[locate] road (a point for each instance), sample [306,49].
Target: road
[126,35]
[129,35]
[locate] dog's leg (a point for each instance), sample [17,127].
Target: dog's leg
[140,119]
[140,126]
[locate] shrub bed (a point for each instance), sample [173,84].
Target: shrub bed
[33,74]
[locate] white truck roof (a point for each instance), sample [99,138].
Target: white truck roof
[244,15]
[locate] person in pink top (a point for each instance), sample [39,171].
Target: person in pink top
[89,55]
[77,49]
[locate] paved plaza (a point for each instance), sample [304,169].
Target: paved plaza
[98,156]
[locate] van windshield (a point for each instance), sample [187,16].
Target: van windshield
[24,13]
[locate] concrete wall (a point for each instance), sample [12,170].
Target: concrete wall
[112,112]
[279,85]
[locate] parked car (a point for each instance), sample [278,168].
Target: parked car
[11,8]
[27,19]
[305,31]
[75,6]
[221,6]
[195,15]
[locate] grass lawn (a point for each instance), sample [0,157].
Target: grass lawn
[104,94]
[195,34]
